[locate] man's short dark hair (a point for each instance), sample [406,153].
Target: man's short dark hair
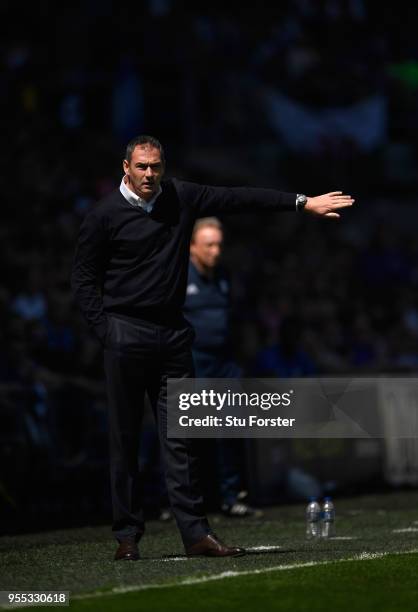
[144,139]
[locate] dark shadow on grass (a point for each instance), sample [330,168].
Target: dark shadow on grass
[273,551]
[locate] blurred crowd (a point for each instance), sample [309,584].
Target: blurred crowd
[310,298]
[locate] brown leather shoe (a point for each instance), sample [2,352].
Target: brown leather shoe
[127,551]
[210,546]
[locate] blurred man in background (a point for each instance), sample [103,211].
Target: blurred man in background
[207,308]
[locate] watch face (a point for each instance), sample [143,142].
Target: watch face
[301,201]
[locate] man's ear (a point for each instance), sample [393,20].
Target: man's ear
[126,166]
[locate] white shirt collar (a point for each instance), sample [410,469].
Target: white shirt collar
[135,200]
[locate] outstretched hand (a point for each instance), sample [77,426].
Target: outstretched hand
[327,204]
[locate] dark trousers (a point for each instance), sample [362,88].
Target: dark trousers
[139,357]
[229,451]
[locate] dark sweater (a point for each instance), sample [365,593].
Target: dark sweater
[134,264]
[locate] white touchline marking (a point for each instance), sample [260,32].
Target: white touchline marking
[364,556]
[343,538]
[249,548]
[406,530]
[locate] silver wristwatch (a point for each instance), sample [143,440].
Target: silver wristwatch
[301,200]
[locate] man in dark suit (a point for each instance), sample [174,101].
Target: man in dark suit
[129,279]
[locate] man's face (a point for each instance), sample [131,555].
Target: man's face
[206,247]
[144,171]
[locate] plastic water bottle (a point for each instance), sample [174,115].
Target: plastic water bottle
[313,519]
[328,518]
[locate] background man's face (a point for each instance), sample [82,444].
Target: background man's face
[206,247]
[145,171]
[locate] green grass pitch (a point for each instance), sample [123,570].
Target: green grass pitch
[371,565]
